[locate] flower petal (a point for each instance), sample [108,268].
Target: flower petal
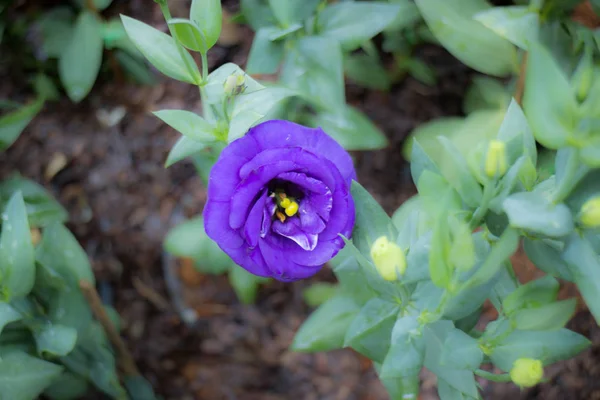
[281,267]
[216,214]
[252,227]
[291,229]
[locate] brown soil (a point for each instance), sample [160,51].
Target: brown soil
[122,202]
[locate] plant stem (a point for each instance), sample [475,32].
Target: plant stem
[488,193]
[92,297]
[164,7]
[204,68]
[493,377]
[520,89]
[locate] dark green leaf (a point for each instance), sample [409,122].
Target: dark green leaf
[244,283]
[207,16]
[161,51]
[549,101]
[17,262]
[345,21]
[369,332]
[55,340]
[56,30]
[350,128]
[533,212]
[326,327]
[548,346]
[366,71]
[139,388]
[98,5]
[23,377]
[7,315]
[11,125]
[265,54]
[42,209]
[452,23]
[67,386]
[545,255]
[60,251]
[80,61]
[189,239]
[137,69]
[461,351]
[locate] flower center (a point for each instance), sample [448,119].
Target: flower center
[286,205]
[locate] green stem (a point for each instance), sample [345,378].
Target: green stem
[204,68]
[164,7]
[488,194]
[493,377]
[568,180]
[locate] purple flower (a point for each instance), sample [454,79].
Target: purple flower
[279,198]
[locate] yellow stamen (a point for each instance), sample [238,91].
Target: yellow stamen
[285,203]
[292,209]
[280,216]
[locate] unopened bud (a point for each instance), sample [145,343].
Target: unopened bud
[234,85]
[389,258]
[495,160]
[590,213]
[527,372]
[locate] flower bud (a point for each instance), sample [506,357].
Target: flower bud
[527,372]
[234,85]
[389,258]
[590,213]
[495,160]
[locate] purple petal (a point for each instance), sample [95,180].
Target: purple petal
[319,194]
[268,211]
[323,252]
[316,140]
[310,222]
[251,260]
[291,229]
[281,267]
[252,227]
[216,214]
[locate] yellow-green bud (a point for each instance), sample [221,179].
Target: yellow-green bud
[389,258]
[495,160]
[234,84]
[590,213]
[527,372]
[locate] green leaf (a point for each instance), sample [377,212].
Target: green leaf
[60,251]
[67,386]
[369,332]
[188,34]
[351,129]
[326,327]
[189,239]
[548,346]
[534,294]
[139,388]
[45,88]
[440,269]
[23,377]
[501,251]
[265,54]
[183,148]
[42,209]
[549,101]
[420,161]
[80,62]
[533,212]
[12,124]
[351,277]
[371,221]
[405,359]
[55,340]
[207,16]
[518,24]
[451,22]
[437,196]
[427,133]
[260,101]
[188,124]
[314,67]
[585,267]
[318,293]
[161,51]
[461,351]
[447,392]
[408,15]
[257,13]
[545,255]
[135,68]
[366,71]
[486,93]
[17,262]
[435,337]
[456,171]
[216,80]
[548,317]
[345,21]
[7,315]
[244,283]
[56,30]
[241,123]
[517,134]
